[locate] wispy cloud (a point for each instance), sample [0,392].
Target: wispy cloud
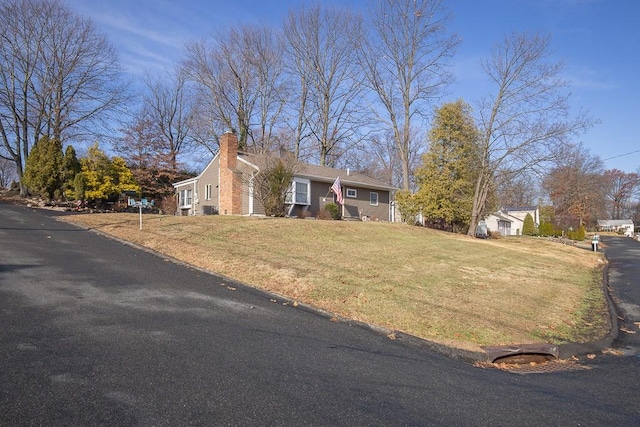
[147,36]
[587,78]
[565,2]
[122,23]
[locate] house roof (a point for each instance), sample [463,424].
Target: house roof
[518,208]
[326,174]
[186,181]
[614,222]
[504,217]
[312,172]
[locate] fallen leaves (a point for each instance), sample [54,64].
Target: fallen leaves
[613,352]
[560,365]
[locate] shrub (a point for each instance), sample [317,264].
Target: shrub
[409,206]
[578,234]
[304,214]
[546,229]
[333,210]
[272,185]
[324,214]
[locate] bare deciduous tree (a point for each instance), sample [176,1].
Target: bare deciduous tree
[576,187]
[239,75]
[521,191]
[152,160]
[7,172]
[170,107]
[142,142]
[526,118]
[59,76]
[378,157]
[620,187]
[272,91]
[406,64]
[320,46]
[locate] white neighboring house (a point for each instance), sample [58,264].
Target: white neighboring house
[509,221]
[626,226]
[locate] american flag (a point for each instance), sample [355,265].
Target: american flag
[335,188]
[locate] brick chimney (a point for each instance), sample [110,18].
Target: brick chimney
[230,184]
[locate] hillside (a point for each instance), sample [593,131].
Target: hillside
[446,288]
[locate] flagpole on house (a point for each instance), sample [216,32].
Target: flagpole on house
[336,188]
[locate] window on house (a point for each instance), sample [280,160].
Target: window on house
[352,192]
[299,190]
[373,199]
[302,193]
[185,198]
[207,192]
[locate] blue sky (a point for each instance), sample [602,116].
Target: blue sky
[598,40]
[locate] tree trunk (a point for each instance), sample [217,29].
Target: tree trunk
[479,201]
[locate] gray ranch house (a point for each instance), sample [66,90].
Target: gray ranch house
[220,188]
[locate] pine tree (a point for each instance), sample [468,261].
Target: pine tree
[79,187]
[446,176]
[43,171]
[70,168]
[528,227]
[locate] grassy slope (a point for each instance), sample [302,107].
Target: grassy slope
[447,288]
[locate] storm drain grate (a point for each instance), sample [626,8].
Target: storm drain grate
[542,368]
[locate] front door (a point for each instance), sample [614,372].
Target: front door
[504,227]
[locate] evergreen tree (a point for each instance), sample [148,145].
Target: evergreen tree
[79,187]
[43,171]
[70,168]
[528,228]
[445,178]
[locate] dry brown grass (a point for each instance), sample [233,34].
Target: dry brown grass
[446,288]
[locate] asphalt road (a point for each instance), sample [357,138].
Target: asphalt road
[624,280]
[95,332]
